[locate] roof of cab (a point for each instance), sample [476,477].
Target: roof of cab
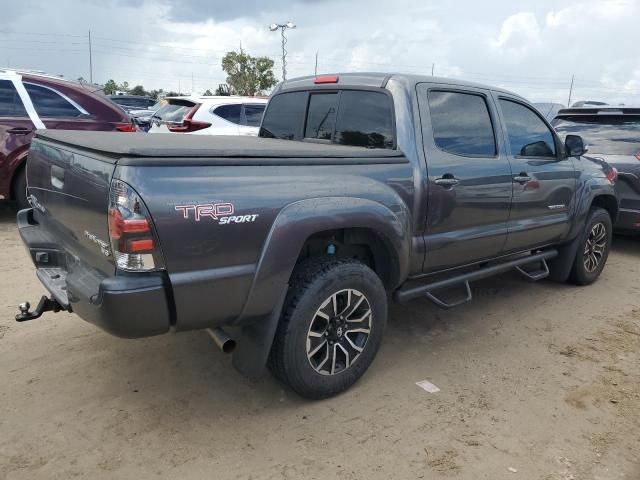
[380,79]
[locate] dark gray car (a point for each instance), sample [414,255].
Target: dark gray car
[612,134]
[362,186]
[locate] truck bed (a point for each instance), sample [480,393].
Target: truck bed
[128,149]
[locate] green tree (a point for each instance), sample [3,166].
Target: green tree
[207,93]
[110,87]
[138,90]
[247,75]
[222,90]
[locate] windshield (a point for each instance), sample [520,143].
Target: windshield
[606,134]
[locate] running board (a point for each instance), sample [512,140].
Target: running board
[535,275]
[427,289]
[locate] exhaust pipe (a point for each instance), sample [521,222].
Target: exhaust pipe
[222,340]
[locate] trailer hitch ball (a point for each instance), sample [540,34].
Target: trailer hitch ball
[44,305]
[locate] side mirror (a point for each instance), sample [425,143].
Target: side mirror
[574,146]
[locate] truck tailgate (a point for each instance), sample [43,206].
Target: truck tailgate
[70,193]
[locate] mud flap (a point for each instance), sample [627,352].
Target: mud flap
[560,266]
[254,342]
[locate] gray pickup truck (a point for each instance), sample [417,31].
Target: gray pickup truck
[361,187]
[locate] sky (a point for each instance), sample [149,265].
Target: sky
[530,47]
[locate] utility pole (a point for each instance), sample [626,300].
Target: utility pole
[433,66]
[570,92]
[90,61]
[191,83]
[179,87]
[282,27]
[316,70]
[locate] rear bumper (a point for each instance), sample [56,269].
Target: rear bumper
[628,220]
[128,306]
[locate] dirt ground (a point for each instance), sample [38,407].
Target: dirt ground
[538,381]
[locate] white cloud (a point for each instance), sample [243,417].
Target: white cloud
[561,18]
[519,33]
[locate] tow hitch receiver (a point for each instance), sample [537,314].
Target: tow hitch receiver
[44,305]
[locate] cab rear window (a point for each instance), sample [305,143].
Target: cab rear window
[347,117]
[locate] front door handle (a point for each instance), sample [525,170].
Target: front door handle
[20,131]
[522,178]
[446,180]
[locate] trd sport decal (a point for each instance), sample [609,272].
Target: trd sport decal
[223,213]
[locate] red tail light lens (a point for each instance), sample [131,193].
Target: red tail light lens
[612,175]
[188,126]
[133,240]
[638,156]
[326,79]
[188,123]
[126,127]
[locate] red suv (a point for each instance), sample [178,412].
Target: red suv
[30,101]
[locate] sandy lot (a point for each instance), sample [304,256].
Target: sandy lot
[538,381]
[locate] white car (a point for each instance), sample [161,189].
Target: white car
[209,116]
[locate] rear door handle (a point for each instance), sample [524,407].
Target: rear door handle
[20,131]
[523,177]
[446,181]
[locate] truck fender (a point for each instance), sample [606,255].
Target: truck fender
[292,227]
[588,193]
[300,220]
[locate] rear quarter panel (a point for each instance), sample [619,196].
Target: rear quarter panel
[211,265]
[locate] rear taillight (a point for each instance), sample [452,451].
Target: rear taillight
[638,156]
[134,243]
[612,175]
[126,127]
[188,126]
[188,123]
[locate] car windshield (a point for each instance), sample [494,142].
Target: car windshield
[173,112]
[606,134]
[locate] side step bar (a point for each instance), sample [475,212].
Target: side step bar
[405,294]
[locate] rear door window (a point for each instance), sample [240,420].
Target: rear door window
[253,114]
[529,136]
[231,113]
[49,103]
[284,116]
[10,102]
[174,112]
[365,119]
[461,123]
[321,116]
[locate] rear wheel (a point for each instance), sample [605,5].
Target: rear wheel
[20,188]
[331,328]
[593,248]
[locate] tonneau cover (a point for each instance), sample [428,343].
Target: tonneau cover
[119,144]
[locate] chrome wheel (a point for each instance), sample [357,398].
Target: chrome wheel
[339,332]
[595,247]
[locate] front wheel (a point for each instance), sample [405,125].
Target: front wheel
[593,247]
[331,327]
